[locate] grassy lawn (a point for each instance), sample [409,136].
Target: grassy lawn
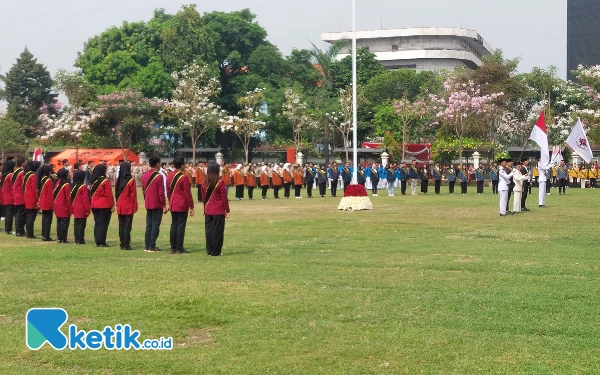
[419,285]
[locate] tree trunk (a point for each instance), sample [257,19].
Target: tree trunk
[194,142]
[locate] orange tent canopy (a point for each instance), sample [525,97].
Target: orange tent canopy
[96,155]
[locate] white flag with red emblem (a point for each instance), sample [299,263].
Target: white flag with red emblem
[578,141]
[37,155]
[539,135]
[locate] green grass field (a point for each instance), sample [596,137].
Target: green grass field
[419,285]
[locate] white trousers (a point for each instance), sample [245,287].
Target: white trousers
[517,201]
[503,201]
[542,193]
[583,180]
[413,186]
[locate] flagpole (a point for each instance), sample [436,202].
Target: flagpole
[354,98]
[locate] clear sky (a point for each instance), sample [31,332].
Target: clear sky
[534,30]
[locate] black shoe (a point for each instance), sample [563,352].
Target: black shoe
[79,243]
[102,245]
[63,242]
[502,214]
[173,251]
[19,235]
[525,209]
[47,239]
[184,251]
[157,249]
[32,237]
[127,248]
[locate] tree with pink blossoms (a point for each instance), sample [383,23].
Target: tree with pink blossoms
[413,115]
[459,108]
[125,114]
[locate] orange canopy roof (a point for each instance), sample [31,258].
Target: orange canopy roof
[96,155]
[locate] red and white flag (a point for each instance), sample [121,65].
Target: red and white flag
[539,135]
[37,155]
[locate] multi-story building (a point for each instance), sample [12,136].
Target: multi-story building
[583,34]
[420,48]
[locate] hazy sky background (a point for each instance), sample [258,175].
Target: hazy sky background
[534,30]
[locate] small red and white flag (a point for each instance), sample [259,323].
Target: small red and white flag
[37,155]
[539,135]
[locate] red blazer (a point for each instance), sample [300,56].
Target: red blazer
[31,192]
[62,200]
[7,190]
[217,203]
[80,201]
[180,199]
[154,190]
[102,197]
[127,204]
[46,194]
[17,185]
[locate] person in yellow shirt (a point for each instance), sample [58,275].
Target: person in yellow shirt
[536,175]
[583,173]
[554,176]
[592,175]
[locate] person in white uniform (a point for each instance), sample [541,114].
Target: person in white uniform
[503,183]
[543,171]
[518,179]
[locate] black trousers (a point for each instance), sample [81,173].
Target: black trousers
[403,184]
[178,223]
[264,191]
[79,229]
[334,184]
[495,186]
[153,220]
[424,186]
[214,229]
[9,214]
[199,193]
[463,187]
[479,187]
[524,196]
[101,222]
[438,184]
[47,216]
[286,189]
[548,187]
[592,183]
[346,184]
[62,228]
[20,217]
[125,224]
[451,186]
[562,186]
[250,192]
[276,191]
[322,188]
[374,186]
[239,191]
[309,186]
[297,189]
[30,222]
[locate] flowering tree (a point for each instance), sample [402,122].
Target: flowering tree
[342,120]
[462,102]
[246,126]
[297,113]
[125,113]
[413,114]
[192,103]
[69,123]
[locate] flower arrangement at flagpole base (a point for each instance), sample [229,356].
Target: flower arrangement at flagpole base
[355,199]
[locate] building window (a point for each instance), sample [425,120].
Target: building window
[394,48]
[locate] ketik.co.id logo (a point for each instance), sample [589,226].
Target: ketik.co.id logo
[43,326]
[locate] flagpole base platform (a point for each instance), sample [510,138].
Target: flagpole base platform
[355,199]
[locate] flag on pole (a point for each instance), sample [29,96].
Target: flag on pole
[578,141]
[539,135]
[37,155]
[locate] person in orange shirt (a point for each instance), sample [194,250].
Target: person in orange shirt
[226,176]
[251,181]
[264,181]
[277,181]
[287,180]
[200,177]
[238,181]
[298,180]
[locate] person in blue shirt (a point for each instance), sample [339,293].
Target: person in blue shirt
[397,173]
[462,173]
[437,177]
[334,175]
[403,178]
[495,177]
[413,176]
[391,180]
[480,178]
[451,177]
[309,179]
[347,175]
[374,179]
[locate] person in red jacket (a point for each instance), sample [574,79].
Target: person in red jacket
[251,182]
[62,205]
[7,193]
[287,180]
[238,181]
[127,204]
[80,203]
[46,189]
[153,188]
[30,191]
[102,203]
[180,200]
[216,210]
[277,180]
[19,197]
[264,181]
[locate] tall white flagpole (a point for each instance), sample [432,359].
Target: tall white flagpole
[354,99]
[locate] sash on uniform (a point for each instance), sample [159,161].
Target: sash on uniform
[75,191]
[127,184]
[26,178]
[150,181]
[16,175]
[96,185]
[209,192]
[59,187]
[45,180]
[174,182]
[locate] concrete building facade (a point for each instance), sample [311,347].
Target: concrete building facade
[583,34]
[424,48]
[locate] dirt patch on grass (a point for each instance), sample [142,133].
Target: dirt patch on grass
[82,320]
[4,319]
[199,337]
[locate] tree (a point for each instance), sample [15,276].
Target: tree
[326,59]
[246,126]
[396,84]
[12,135]
[124,114]
[367,66]
[193,102]
[342,120]
[295,110]
[28,86]
[412,116]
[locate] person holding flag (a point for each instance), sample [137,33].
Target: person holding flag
[539,135]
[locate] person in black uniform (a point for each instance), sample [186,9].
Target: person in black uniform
[322,180]
[360,176]
[374,179]
[437,177]
[526,184]
[346,176]
[334,175]
[309,179]
[424,177]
